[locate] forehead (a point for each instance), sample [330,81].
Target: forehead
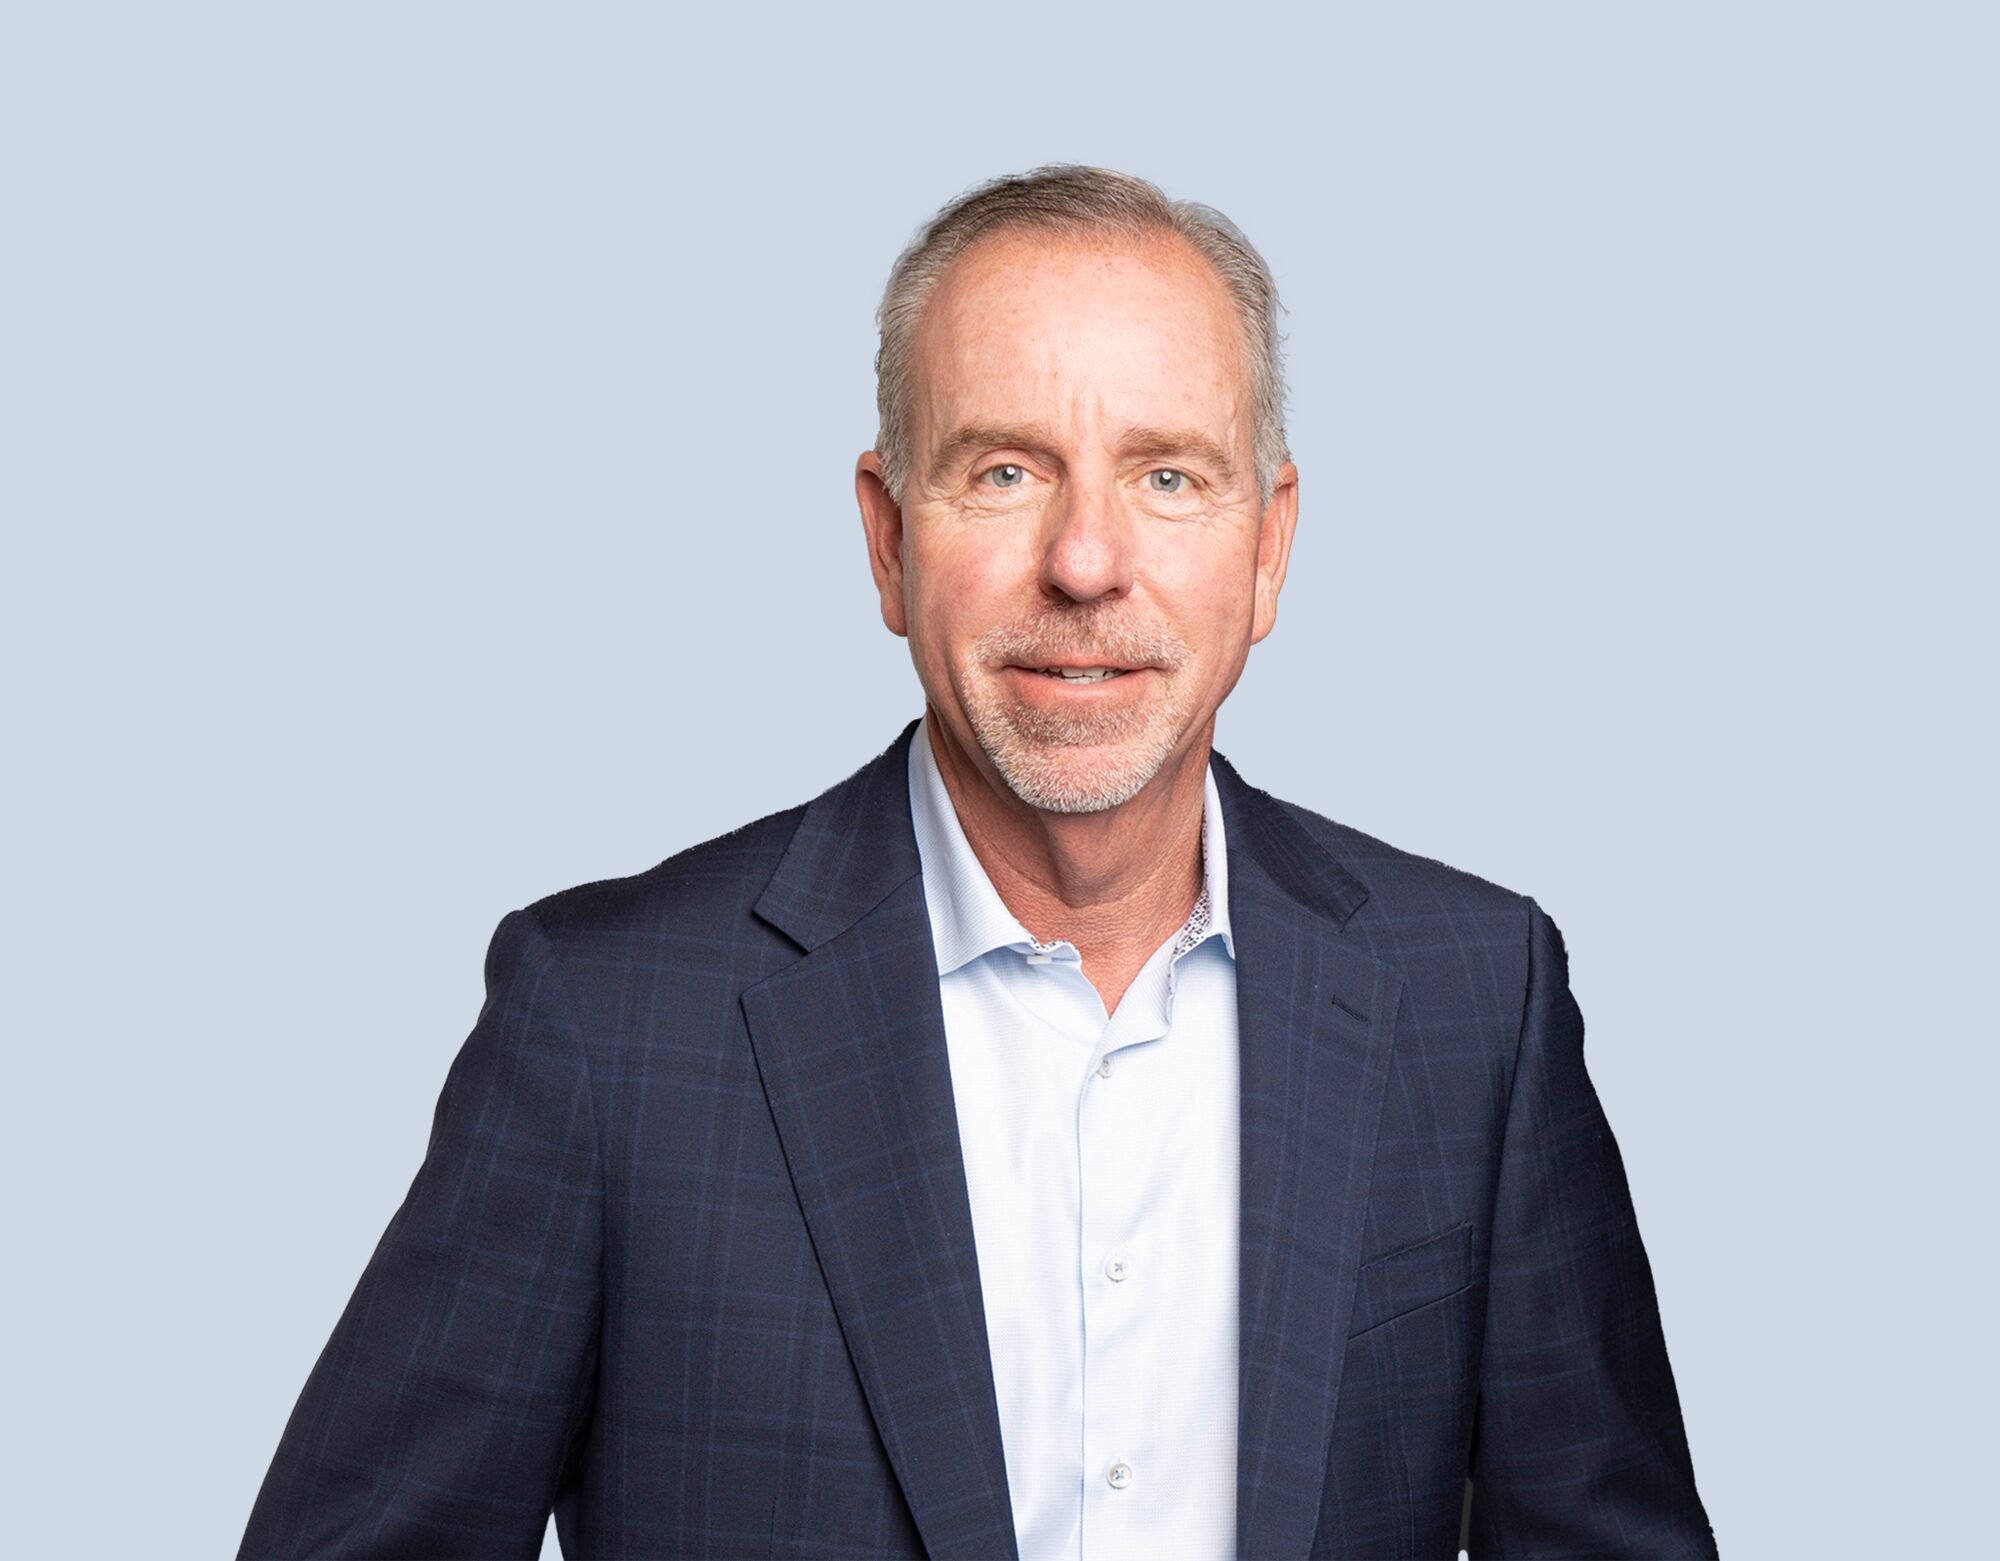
[1073,331]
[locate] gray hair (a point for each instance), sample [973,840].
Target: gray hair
[1072,200]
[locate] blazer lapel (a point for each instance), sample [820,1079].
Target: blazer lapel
[850,1045]
[1316,1020]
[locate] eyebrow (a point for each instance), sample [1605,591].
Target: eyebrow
[1178,444]
[969,438]
[1143,442]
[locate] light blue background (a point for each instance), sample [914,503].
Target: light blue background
[428,435]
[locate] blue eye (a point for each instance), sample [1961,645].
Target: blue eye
[1006,476]
[1177,480]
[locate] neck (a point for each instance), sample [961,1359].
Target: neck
[1115,883]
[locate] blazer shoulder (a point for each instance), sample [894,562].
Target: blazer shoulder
[708,885]
[1403,881]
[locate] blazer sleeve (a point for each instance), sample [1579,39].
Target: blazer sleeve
[1578,1447]
[444,1416]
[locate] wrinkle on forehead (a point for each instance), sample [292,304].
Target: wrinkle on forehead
[1087,340]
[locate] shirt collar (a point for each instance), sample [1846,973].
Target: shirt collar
[968,917]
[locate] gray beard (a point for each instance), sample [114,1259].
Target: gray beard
[1037,751]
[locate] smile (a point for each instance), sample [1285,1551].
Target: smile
[1082,674]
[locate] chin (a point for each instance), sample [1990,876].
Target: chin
[1068,779]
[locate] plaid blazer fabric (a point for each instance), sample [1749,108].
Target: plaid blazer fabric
[689,1259]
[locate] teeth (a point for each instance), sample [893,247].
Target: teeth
[1083,674]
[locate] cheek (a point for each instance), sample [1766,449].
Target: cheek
[962,582]
[1209,601]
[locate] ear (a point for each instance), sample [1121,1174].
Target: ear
[1274,548]
[882,520]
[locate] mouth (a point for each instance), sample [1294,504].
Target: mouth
[1080,674]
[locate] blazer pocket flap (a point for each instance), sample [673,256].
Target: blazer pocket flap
[1412,1276]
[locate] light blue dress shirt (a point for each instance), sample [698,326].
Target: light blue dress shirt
[1101,1157]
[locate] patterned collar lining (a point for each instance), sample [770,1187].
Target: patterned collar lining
[1197,925]
[1195,928]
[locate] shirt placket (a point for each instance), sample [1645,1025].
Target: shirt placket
[1120,1272]
[1118,1451]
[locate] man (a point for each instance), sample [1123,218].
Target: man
[1044,1142]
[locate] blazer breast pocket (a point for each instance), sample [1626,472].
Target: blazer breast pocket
[1412,1276]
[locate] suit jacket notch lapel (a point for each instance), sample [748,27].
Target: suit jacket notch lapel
[1316,1022]
[850,1046]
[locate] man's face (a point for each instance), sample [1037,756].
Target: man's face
[1081,495]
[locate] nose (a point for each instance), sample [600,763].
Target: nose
[1087,553]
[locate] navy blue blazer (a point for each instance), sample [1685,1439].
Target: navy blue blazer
[689,1259]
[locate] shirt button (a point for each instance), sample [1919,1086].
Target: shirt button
[1120,1475]
[1116,1268]
[1104,1068]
